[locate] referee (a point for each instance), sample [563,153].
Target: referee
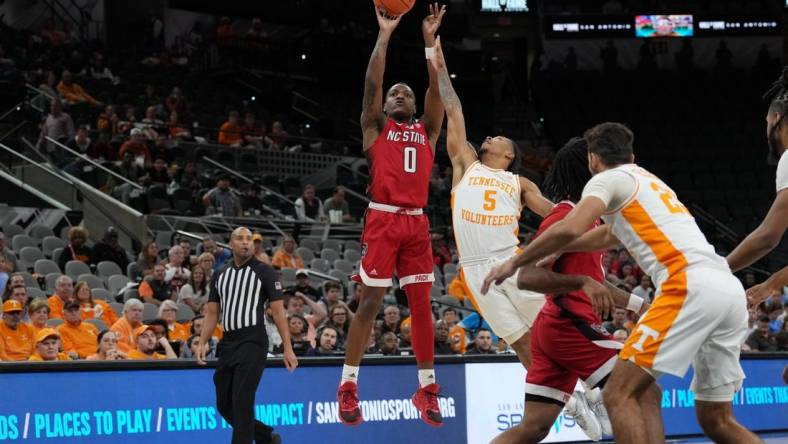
[240,290]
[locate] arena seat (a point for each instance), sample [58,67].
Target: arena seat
[98,323]
[92,280]
[352,256]
[116,282]
[50,244]
[102,293]
[105,269]
[329,254]
[22,240]
[76,268]
[306,254]
[45,266]
[35,292]
[50,281]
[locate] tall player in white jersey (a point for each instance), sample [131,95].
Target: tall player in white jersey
[486,201]
[699,315]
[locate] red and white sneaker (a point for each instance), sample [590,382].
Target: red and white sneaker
[426,401]
[349,411]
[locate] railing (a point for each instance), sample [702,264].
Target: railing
[96,164]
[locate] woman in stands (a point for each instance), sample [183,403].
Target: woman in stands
[195,292]
[339,319]
[149,257]
[93,309]
[107,348]
[76,250]
[39,313]
[206,261]
[286,255]
[298,328]
[168,311]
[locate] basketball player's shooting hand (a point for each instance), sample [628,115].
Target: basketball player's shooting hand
[498,274]
[601,299]
[437,61]
[431,23]
[761,292]
[387,24]
[290,360]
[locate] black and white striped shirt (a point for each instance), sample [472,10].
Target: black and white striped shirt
[242,291]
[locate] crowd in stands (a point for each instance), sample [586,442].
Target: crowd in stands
[164,294]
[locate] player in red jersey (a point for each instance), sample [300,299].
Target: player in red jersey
[400,150]
[568,341]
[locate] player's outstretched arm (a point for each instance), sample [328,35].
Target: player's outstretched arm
[764,238]
[773,285]
[459,151]
[433,106]
[533,198]
[543,280]
[372,117]
[551,241]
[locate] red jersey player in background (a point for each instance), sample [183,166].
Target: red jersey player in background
[568,341]
[401,151]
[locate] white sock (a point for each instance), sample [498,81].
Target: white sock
[426,377]
[349,373]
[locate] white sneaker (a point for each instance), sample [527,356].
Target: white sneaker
[594,398]
[579,409]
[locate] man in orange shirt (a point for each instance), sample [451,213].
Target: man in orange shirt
[48,346]
[230,132]
[64,292]
[73,93]
[132,318]
[79,338]
[146,345]
[15,336]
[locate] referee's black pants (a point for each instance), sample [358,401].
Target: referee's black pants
[242,358]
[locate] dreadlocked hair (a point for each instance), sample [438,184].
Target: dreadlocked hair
[777,95]
[569,173]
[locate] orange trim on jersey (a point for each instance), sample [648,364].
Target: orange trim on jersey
[661,316]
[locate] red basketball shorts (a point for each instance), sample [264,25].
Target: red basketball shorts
[395,242]
[565,349]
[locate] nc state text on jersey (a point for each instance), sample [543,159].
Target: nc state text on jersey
[406,136]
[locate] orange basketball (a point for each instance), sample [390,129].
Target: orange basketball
[395,7]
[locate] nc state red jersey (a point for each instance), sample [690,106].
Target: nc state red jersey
[400,163]
[574,303]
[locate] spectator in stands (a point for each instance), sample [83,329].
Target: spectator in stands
[337,203]
[39,313]
[150,98]
[230,132]
[302,284]
[5,267]
[327,342]
[259,249]
[617,322]
[131,319]
[158,173]
[286,255]
[279,137]
[332,291]
[58,126]
[16,337]
[355,297]
[154,289]
[298,328]
[72,93]
[108,122]
[339,317]
[187,177]
[449,316]
[177,274]
[137,147]
[168,310]
[107,348]
[176,129]
[206,261]
[483,344]
[131,169]
[151,124]
[442,346]
[193,344]
[19,294]
[309,207]
[222,199]
[254,133]
[294,304]
[47,346]
[225,35]
[14,280]
[146,343]
[441,254]
[761,340]
[49,87]
[9,257]
[79,338]
[644,290]
[76,250]
[250,201]
[195,293]
[82,144]
[776,317]
[389,344]
[405,335]
[458,339]
[64,292]
[177,102]
[98,71]
[108,249]
[391,319]
[148,258]
[93,309]
[220,255]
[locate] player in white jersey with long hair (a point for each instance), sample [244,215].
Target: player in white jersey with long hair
[699,315]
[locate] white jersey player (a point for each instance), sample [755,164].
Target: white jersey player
[699,315]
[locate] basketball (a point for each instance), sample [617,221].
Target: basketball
[395,7]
